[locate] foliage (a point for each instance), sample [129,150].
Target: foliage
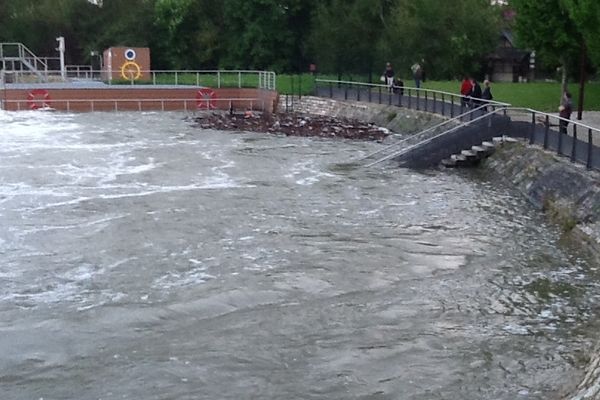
[340,36]
[451,37]
[545,25]
[585,14]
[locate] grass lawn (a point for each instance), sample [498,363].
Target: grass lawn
[541,96]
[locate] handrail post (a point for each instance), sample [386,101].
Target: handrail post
[399,98]
[409,99]
[219,79]
[452,107]
[239,79]
[379,94]
[418,100]
[532,129]
[560,135]
[176,78]
[425,101]
[546,131]
[574,146]
[589,150]
[197,79]
[443,105]
[434,100]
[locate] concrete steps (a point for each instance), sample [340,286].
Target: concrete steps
[473,156]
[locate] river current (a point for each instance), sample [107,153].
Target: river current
[144,258]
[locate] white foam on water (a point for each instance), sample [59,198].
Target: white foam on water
[194,276]
[306,174]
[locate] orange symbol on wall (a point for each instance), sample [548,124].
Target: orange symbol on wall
[131,71]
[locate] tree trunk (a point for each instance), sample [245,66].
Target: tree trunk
[564,78]
[582,78]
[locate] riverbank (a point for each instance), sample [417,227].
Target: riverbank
[570,196]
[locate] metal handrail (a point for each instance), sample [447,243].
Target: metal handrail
[261,79]
[432,128]
[251,100]
[23,53]
[423,90]
[406,149]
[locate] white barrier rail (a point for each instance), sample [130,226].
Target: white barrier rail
[179,104]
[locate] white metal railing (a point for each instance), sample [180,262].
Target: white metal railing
[164,104]
[211,78]
[427,135]
[17,54]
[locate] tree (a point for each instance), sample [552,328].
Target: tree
[264,34]
[452,37]
[188,34]
[585,14]
[347,34]
[546,26]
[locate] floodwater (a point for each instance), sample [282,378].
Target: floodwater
[142,258]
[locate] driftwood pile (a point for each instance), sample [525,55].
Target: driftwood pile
[291,125]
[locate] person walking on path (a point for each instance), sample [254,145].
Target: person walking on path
[465,90]
[475,93]
[417,71]
[487,92]
[388,76]
[565,109]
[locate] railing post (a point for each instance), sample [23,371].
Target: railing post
[589,150]
[176,78]
[434,100]
[443,105]
[197,78]
[560,135]
[452,107]
[239,79]
[399,99]
[346,92]
[379,94]
[574,146]
[532,130]
[219,79]
[546,131]
[425,101]
[357,93]
[418,100]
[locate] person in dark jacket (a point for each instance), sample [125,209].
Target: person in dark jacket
[487,91]
[475,93]
[565,109]
[388,76]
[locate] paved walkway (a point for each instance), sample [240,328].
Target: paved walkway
[590,118]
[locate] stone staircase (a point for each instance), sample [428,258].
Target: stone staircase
[473,156]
